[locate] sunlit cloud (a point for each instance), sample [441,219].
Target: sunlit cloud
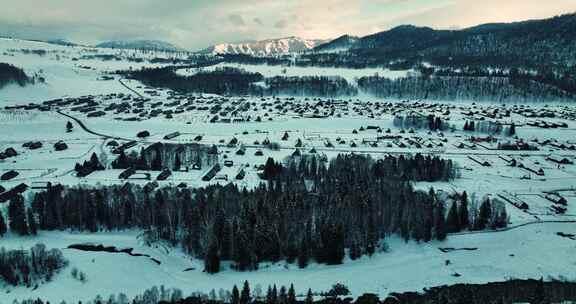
[199,23]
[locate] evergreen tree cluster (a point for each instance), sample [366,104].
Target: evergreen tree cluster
[234,81]
[507,292]
[89,166]
[309,86]
[483,126]
[21,221]
[159,156]
[224,81]
[500,89]
[416,121]
[11,74]
[300,216]
[490,215]
[30,267]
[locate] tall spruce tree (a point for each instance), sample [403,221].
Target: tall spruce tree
[212,259]
[245,297]
[484,216]
[303,254]
[3,227]
[463,211]
[17,215]
[309,297]
[235,295]
[32,225]
[440,222]
[453,220]
[283,295]
[291,295]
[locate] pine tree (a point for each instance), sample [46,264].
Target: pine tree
[121,162]
[303,254]
[291,295]
[94,163]
[141,163]
[272,295]
[453,221]
[463,212]
[484,215]
[438,123]
[177,163]
[3,228]
[156,162]
[269,295]
[212,259]
[283,297]
[235,295]
[440,222]
[428,223]
[270,169]
[512,130]
[33,227]
[501,221]
[309,297]
[245,297]
[539,293]
[354,251]
[17,215]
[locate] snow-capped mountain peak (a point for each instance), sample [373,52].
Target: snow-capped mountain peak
[266,47]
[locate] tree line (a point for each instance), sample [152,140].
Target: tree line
[501,89]
[507,292]
[159,156]
[235,81]
[88,166]
[306,212]
[417,121]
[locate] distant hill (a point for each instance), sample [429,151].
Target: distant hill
[341,43]
[528,42]
[265,47]
[63,42]
[155,45]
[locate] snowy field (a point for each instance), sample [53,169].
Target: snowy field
[288,71]
[68,71]
[529,249]
[518,253]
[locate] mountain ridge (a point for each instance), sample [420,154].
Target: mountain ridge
[140,44]
[267,47]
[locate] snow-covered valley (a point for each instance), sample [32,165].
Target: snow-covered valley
[517,157]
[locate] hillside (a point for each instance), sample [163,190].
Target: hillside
[155,45]
[342,43]
[528,43]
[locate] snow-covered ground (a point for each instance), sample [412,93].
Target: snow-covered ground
[531,251]
[278,70]
[69,71]
[526,251]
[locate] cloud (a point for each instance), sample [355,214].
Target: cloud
[199,23]
[236,20]
[280,24]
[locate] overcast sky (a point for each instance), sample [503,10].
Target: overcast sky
[195,24]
